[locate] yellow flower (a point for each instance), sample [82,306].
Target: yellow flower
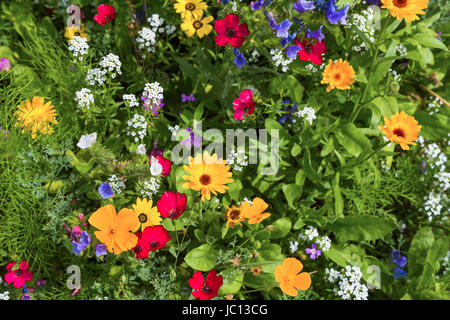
[234,216]
[289,276]
[338,75]
[74,31]
[408,9]
[114,229]
[146,214]
[255,212]
[401,129]
[207,174]
[36,116]
[190,8]
[191,25]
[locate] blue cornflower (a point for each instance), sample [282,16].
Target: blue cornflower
[105,190]
[292,51]
[373,2]
[283,28]
[290,37]
[321,4]
[100,250]
[398,259]
[304,6]
[315,34]
[224,1]
[288,112]
[399,273]
[239,61]
[85,240]
[336,16]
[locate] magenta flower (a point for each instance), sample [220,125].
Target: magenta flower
[313,252]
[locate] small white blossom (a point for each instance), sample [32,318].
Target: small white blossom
[84,98]
[79,47]
[141,149]
[87,140]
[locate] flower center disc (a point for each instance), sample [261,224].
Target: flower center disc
[230,32]
[190,6]
[142,218]
[205,179]
[234,215]
[400,3]
[154,244]
[198,24]
[399,132]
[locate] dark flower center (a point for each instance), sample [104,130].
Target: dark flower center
[400,3]
[206,289]
[205,179]
[77,33]
[107,18]
[154,244]
[142,218]
[18,272]
[308,48]
[172,213]
[190,6]
[337,76]
[112,231]
[399,132]
[235,214]
[197,24]
[138,249]
[230,32]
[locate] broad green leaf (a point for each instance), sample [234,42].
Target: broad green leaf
[232,281]
[352,139]
[202,258]
[361,228]
[282,227]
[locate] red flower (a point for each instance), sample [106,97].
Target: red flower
[140,249]
[205,290]
[106,13]
[243,104]
[172,204]
[230,31]
[165,164]
[155,238]
[311,52]
[19,276]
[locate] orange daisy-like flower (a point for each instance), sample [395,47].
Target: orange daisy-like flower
[408,9]
[402,129]
[289,276]
[255,212]
[207,174]
[36,116]
[338,75]
[234,216]
[115,229]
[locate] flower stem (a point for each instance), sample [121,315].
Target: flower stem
[369,156]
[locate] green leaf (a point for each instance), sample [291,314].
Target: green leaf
[338,200]
[430,41]
[292,192]
[202,258]
[434,126]
[235,189]
[361,228]
[352,139]
[420,244]
[282,227]
[187,68]
[232,282]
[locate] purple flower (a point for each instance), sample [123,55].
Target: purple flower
[105,190]
[316,34]
[40,282]
[25,296]
[193,140]
[239,61]
[288,115]
[292,51]
[85,240]
[100,250]
[399,273]
[313,252]
[373,2]
[283,28]
[285,41]
[185,98]
[5,65]
[336,16]
[304,6]
[398,259]
[257,5]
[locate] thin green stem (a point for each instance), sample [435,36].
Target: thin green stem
[369,156]
[178,243]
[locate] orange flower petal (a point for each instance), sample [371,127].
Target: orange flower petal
[302,281]
[103,218]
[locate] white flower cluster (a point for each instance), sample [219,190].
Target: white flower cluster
[84,98]
[445,263]
[138,122]
[112,63]
[153,92]
[308,112]
[79,47]
[147,36]
[401,50]
[4,295]
[349,282]
[432,205]
[255,56]
[364,22]
[434,105]
[279,59]
[311,234]
[130,99]
[312,67]
[95,75]
[436,158]
[116,184]
[293,246]
[149,187]
[237,159]
[395,75]
[174,130]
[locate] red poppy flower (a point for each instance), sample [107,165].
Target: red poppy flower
[243,104]
[229,30]
[19,276]
[172,204]
[106,13]
[311,52]
[154,238]
[205,290]
[140,249]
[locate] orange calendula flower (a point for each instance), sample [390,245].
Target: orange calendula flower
[147,215]
[207,174]
[402,129]
[338,75]
[255,212]
[234,216]
[35,115]
[289,276]
[115,229]
[408,9]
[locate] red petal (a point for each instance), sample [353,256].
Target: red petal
[236,42]
[246,96]
[220,26]
[317,59]
[242,30]
[319,48]
[10,265]
[231,21]
[239,115]
[221,40]
[19,282]
[196,282]
[303,55]
[213,281]
[10,276]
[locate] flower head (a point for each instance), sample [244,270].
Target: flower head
[407,9]
[100,250]
[230,31]
[106,13]
[190,8]
[313,252]
[115,229]
[105,190]
[334,16]
[289,277]
[205,290]
[338,75]
[35,115]
[18,274]
[234,216]
[315,34]
[153,238]
[172,204]
[5,65]
[239,61]
[402,129]
[197,25]
[207,174]
[304,6]
[255,212]
[398,259]
[87,140]
[75,31]
[146,213]
[399,273]
[185,98]
[311,51]
[244,104]
[79,246]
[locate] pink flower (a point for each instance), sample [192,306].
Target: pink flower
[172,204]
[106,13]
[18,276]
[229,30]
[76,231]
[243,104]
[165,164]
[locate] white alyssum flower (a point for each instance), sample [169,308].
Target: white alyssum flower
[308,113]
[137,127]
[146,39]
[149,187]
[116,184]
[130,99]
[87,140]
[349,283]
[84,98]
[237,159]
[153,93]
[96,75]
[141,149]
[279,59]
[324,243]
[4,295]
[293,246]
[79,47]
[112,64]
[432,205]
